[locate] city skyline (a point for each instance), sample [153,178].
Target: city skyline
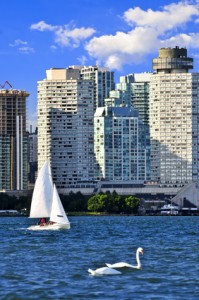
[123,36]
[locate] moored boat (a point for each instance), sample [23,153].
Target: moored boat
[169,209]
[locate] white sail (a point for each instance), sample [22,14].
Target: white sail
[57,212]
[42,194]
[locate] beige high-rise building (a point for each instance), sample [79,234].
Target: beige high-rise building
[65,126]
[174,115]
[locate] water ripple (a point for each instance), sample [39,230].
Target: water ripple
[53,265]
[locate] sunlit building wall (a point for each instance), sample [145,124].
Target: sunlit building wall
[65,126]
[174,115]
[103,80]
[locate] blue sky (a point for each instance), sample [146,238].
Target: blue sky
[123,35]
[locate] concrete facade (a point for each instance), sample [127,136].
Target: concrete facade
[13,140]
[65,126]
[174,111]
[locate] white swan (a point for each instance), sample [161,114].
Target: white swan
[123,264]
[104,271]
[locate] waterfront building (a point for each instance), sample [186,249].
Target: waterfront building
[138,85]
[133,91]
[13,140]
[32,138]
[65,126]
[119,154]
[174,115]
[103,80]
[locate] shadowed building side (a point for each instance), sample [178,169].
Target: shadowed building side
[13,140]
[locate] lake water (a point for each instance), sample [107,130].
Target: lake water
[53,265]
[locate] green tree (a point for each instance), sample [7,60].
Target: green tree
[116,203]
[132,204]
[98,203]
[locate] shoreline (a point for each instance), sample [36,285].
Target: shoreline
[87,214]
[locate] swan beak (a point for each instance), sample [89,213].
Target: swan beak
[142,252]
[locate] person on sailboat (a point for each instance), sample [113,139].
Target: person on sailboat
[51,223]
[42,222]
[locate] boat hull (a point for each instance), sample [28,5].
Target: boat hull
[50,227]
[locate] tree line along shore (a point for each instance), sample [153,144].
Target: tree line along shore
[76,203]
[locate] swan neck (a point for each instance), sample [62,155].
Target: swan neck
[138,259]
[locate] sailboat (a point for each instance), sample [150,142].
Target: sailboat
[46,203]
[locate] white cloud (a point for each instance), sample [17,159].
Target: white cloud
[53,47]
[170,17]
[42,26]
[116,50]
[65,35]
[150,30]
[184,40]
[18,43]
[26,50]
[82,59]
[22,46]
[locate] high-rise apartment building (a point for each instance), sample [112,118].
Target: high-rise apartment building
[33,146]
[138,86]
[174,115]
[65,126]
[103,80]
[32,138]
[13,140]
[119,153]
[133,91]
